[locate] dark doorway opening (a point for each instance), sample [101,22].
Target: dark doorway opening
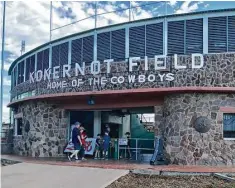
[86,118]
[114,129]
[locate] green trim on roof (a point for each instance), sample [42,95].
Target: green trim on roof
[101,28]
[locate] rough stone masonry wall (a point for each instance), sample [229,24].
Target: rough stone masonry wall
[187,146]
[217,72]
[48,130]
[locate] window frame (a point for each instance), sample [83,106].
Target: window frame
[228,138]
[16,126]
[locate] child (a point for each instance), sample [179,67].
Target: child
[83,139]
[98,147]
[106,143]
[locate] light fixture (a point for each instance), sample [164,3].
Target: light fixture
[91,101]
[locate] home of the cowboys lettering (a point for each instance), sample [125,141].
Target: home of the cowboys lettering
[159,72]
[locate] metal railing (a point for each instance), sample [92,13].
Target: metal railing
[130,13]
[7,136]
[138,147]
[3,136]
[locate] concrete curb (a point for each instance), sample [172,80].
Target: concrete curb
[114,179]
[11,159]
[145,172]
[224,177]
[169,173]
[6,162]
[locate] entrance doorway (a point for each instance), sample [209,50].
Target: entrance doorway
[114,129]
[139,122]
[86,118]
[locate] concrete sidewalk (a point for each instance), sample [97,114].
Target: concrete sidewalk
[26,175]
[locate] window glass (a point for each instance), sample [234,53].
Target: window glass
[229,125]
[18,126]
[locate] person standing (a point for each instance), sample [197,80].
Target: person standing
[107,129]
[70,146]
[98,147]
[128,143]
[83,139]
[76,140]
[106,143]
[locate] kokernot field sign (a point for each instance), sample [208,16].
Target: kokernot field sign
[160,66]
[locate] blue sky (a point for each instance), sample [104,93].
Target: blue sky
[30,21]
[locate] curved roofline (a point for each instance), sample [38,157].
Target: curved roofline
[111,26]
[167,90]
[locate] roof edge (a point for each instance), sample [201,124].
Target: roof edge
[165,90]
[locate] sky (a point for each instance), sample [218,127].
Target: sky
[30,21]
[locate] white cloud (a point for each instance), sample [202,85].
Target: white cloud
[123,6]
[25,21]
[186,7]
[7,66]
[30,21]
[6,99]
[134,3]
[57,4]
[172,3]
[8,61]
[5,95]
[5,113]
[6,82]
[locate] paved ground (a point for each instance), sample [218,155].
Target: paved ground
[124,165]
[27,175]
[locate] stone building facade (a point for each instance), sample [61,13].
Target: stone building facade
[166,62]
[216,72]
[175,120]
[184,143]
[44,131]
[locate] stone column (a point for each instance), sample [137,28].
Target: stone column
[194,129]
[126,125]
[97,123]
[159,121]
[47,134]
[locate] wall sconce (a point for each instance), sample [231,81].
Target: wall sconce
[91,101]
